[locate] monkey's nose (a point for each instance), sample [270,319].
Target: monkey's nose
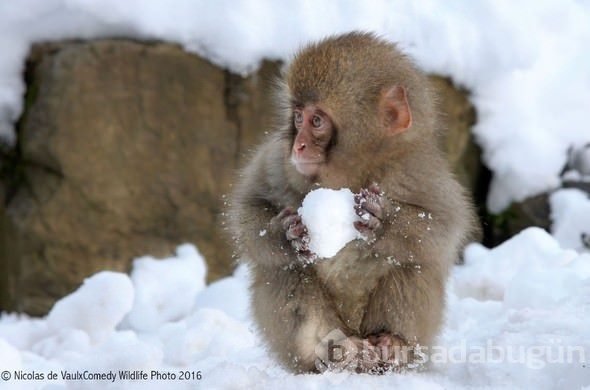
[300,147]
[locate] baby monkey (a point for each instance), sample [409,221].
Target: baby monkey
[353,113]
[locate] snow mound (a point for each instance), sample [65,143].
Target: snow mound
[526,303]
[517,317]
[165,290]
[96,307]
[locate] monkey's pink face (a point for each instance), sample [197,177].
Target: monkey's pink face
[314,131]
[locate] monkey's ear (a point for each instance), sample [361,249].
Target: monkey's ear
[395,110]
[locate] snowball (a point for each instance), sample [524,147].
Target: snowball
[329,216]
[165,290]
[96,307]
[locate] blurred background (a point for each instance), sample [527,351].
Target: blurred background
[123,123]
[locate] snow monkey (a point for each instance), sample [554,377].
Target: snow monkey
[353,113]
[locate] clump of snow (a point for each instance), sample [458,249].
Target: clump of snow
[96,307]
[570,213]
[165,290]
[329,217]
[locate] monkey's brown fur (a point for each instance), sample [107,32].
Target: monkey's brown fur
[393,285]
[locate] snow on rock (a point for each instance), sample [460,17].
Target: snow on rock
[570,214]
[165,290]
[579,160]
[96,307]
[525,62]
[329,216]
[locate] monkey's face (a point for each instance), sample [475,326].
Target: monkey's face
[314,130]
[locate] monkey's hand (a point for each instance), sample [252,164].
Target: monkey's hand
[296,232]
[369,206]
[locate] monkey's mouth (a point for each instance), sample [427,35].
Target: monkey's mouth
[306,167]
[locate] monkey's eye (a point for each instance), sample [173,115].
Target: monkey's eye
[317,121]
[297,117]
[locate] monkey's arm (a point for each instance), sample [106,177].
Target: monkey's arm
[399,232]
[266,230]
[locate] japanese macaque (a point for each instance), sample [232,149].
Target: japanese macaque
[354,113]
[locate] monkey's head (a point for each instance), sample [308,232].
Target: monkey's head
[348,100]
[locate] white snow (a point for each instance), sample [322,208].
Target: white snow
[96,307]
[526,63]
[165,290]
[329,216]
[518,314]
[570,213]
[527,294]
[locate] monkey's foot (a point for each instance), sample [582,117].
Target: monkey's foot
[395,352]
[368,359]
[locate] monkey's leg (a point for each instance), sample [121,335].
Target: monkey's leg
[405,311]
[300,324]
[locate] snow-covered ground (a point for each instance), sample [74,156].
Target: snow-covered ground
[518,315]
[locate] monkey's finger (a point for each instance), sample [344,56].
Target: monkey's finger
[381,339]
[301,245]
[291,220]
[370,223]
[373,223]
[366,233]
[373,207]
[369,209]
[359,198]
[306,256]
[361,227]
[360,211]
[286,212]
[296,230]
[375,189]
